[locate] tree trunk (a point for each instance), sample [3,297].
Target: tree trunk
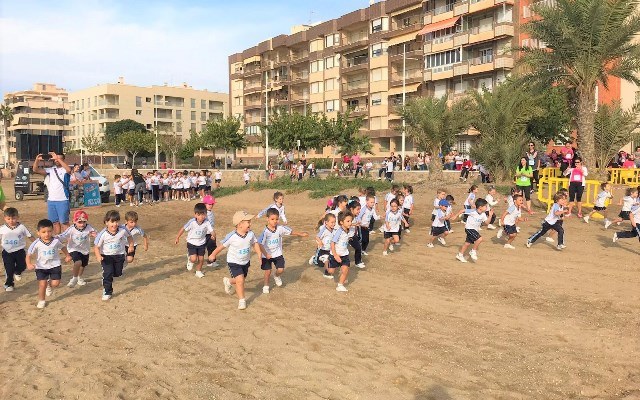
[173,160]
[435,166]
[133,159]
[225,159]
[585,119]
[6,145]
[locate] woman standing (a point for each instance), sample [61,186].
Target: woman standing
[524,173]
[577,176]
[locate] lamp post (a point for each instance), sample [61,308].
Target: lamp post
[266,120]
[404,98]
[155,125]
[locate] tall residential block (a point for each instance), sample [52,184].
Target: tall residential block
[40,120]
[368,60]
[175,109]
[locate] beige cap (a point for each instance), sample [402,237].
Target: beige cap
[240,216]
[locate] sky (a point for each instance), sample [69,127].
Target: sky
[77,44]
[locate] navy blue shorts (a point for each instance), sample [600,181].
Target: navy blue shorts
[133,254]
[197,250]
[510,229]
[335,264]
[268,262]
[55,274]
[438,230]
[472,236]
[77,256]
[624,215]
[596,208]
[389,235]
[238,269]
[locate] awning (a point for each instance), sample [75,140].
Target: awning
[251,59]
[401,39]
[447,23]
[408,88]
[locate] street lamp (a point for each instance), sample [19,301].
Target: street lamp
[266,120]
[155,124]
[404,100]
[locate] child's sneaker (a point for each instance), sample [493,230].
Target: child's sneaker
[460,257]
[407,230]
[41,304]
[607,224]
[561,246]
[227,285]
[508,246]
[199,274]
[549,239]
[518,229]
[442,241]
[390,247]
[17,277]
[473,255]
[242,304]
[72,282]
[49,291]
[364,253]
[491,226]
[341,288]
[385,253]
[106,297]
[360,265]
[312,260]
[265,289]
[213,264]
[499,234]
[529,244]
[430,245]
[586,219]
[8,288]
[189,264]
[81,282]
[327,276]
[615,237]
[277,280]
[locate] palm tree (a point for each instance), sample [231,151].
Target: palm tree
[614,128]
[587,42]
[6,113]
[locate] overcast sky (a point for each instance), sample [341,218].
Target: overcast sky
[81,43]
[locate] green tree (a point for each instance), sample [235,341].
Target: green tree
[171,144]
[133,142]
[223,133]
[115,129]
[614,128]
[587,42]
[191,145]
[94,144]
[286,129]
[345,135]
[556,121]
[6,114]
[432,123]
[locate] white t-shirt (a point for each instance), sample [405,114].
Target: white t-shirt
[475,220]
[14,239]
[552,218]
[341,239]
[436,206]
[301,169]
[186,182]
[47,254]
[55,187]
[77,240]
[387,198]
[218,176]
[490,201]
[197,233]
[211,218]
[111,244]
[136,233]
[280,209]
[602,198]
[470,199]
[202,180]
[408,202]
[132,184]
[438,221]
[272,240]
[117,187]
[246,176]
[627,203]
[239,247]
[365,215]
[325,235]
[513,213]
[389,166]
[394,219]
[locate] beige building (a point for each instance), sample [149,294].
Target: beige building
[40,120]
[179,109]
[365,60]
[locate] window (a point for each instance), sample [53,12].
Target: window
[332,105]
[178,114]
[376,99]
[193,115]
[315,45]
[377,49]
[329,62]
[379,74]
[380,24]
[82,103]
[252,130]
[203,104]
[317,66]
[237,101]
[147,99]
[193,126]
[178,126]
[442,59]
[316,87]
[486,56]
[193,103]
[330,84]
[385,144]
[138,112]
[237,85]
[316,107]
[138,101]
[332,40]
[485,83]
[203,116]
[460,87]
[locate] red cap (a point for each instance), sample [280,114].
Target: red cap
[80,215]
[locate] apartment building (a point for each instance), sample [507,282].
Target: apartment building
[367,61]
[40,121]
[179,109]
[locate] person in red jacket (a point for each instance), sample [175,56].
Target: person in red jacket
[466,167]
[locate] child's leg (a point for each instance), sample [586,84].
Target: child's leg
[396,238]
[355,243]
[267,275]
[477,244]
[239,282]
[77,265]
[199,260]
[464,247]
[558,228]
[430,239]
[344,272]
[364,239]
[42,288]
[386,244]
[541,232]
[107,275]
[55,283]
[9,268]
[511,238]
[279,271]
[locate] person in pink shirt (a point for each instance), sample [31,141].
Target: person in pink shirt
[567,156]
[577,177]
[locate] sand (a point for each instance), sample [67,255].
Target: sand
[518,324]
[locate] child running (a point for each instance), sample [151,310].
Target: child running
[552,220]
[366,216]
[48,267]
[136,232]
[600,205]
[14,239]
[492,201]
[278,204]
[339,257]
[110,250]
[78,238]
[407,206]
[438,225]
[472,227]
[209,201]
[509,221]
[634,218]
[270,241]
[197,229]
[628,201]
[323,240]
[393,220]
[354,232]
[239,244]
[469,203]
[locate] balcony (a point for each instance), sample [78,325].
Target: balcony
[299,99]
[281,80]
[109,116]
[108,102]
[489,63]
[353,43]
[414,25]
[461,8]
[481,5]
[357,111]
[355,87]
[438,73]
[300,76]
[461,69]
[497,30]
[412,76]
[252,69]
[252,89]
[399,55]
[354,64]
[299,57]
[441,13]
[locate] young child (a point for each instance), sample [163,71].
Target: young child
[239,244]
[354,232]
[339,257]
[197,229]
[117,189]
[474,221]
[441,194]
[492,201]
[47,264]
[367,214]
[438,226]
[300,170]
[509,221]
[600,206]
[551,233]
[14,239]
[202,183]
[628,202]
[278,204]
[270,241]
[395,189]
[407,206]
[323,240]
[136,232]
[132,191]
[246,176]
[218,179]
[469,203]
[338,205]
[78,238]
[209,201]
[634,218]
[449,214]
[551,221]
[109,248]
[392,222]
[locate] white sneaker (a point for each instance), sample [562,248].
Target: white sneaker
[327,276]
[407,230]
[549,239]
[199,274]
[361,265]
[364,253]
[49,291]
[106,297]
[265,289]
[450,230]
[430,245]
[8,288]
[81,282]
[381,229]
[442,241]
[311,260]
[242,304]
[491,226]
[189,265]
[586,219]
[499,234]
[17,277]
[341,288]
[508,246]
[607,224]
[277,280]
[461,258]
[518,229]
[391,247]
[72,282]
[615,237]
[529,244]
[214,264]
[473,255]
[41,304]
[561,246]
[227,285]
[384,253]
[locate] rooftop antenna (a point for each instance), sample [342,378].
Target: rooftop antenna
[311,17]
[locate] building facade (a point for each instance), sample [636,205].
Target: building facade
[40,121]
[172,109]
[368,60]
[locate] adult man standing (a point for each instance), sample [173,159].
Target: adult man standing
[533,160]
[58,206]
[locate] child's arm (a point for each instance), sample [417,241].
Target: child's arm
[131,244]
[180,232]
[146,242]
[301,234]
[504,214]
[404,221]
[258,249]
[215,253]
[67,256]
[96,251]
[30,265]
[263,250]
[318,242]
[333,252]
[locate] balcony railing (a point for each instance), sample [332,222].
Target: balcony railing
[353,62]
[299,56]
[355,85]
[486,59]
[443,9]
[108,102]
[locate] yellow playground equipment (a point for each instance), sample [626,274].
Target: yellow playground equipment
[548,187]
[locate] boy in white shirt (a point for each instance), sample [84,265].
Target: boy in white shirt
[117,189]
[509,221]
[600,205]
[218,178]
[239,244]
[472,227]
[270,241]
[47,264]
[438,226]
[78,237]
[278,204]
[136,232]
[109,248]
[197,229]
[14,239]
[553,221]
[246,176]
